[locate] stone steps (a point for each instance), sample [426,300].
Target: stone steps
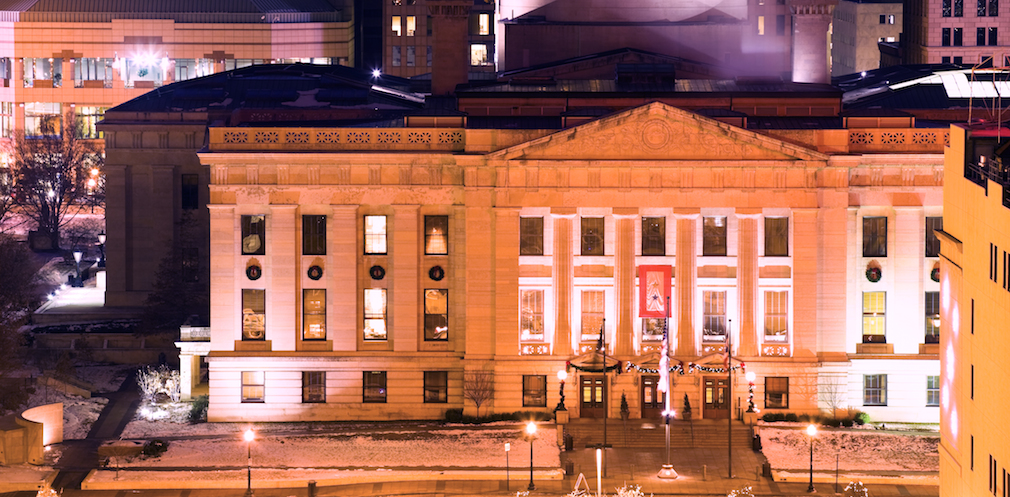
[641,434]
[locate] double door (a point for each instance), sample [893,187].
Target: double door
[653,401]
[592,395]
[717,398]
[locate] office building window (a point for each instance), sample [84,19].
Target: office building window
[411,25]
[874,237]
[6,69]
[429,54]
[777,392]
[313,314]
[531,315]
[932,317]
[946,60]
[874,312]
[436,314]
[980,11]
[945,37]
[479,55]
[375,235]
[945,8]
[714,316]
[313,235]
[932,391]
[193,68]
[89,69]
[253,386]
[6,119]
[980,36]
[411,56]
[375,314]
[874,389]
[254,234]
[396,56]
[190,198]
[436,235]
[85,120]
[483,24]
[958,8]
[430,23]
[761,25]
[958,60]
[534,390]
[776,317]
[254,314]
[993,37]
[653,236]
[593,309]
[396,25]
[932,242]
[776,236]
[43,119]
[958,36]
[780,25]
[592,235]
[313,387]
[993,9]
[713,236]
[43,72]
[436,387]
[374,390]
[531,236]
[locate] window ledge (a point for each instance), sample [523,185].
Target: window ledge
[929,348]
[252,346]
[874,348]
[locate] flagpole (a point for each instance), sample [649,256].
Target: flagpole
[606,390]
[729,374]
[666,385]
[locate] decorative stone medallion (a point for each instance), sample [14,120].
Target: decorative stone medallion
[655,134]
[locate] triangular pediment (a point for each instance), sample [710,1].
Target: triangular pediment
[657,131]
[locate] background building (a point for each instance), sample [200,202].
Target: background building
[953,31]
[856,29]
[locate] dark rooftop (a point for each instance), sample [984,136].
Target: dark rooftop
[246,11]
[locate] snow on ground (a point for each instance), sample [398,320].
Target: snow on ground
[78,413]
[105,377]
[857,450]
[323,477]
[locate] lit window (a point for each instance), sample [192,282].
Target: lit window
[479,55]
[396,25]
[6,119]
[592,235]
[761,25]
[776,236]
[483,24]
[713,236]
[43,119]
[436,387]
[436,314]
[375,314]
[85,120]
[375,235]
[531,319]
[777,392]
[253,386]
[653,236]
[313,235]
[776,316]
[97,71]
[374,387]
[43,72]
[714,316]
[875,390]
[874,307]
[411,25]
[436,235]
[652,329]
[254,235]
[313,314]
[531,236]
[313,387]
[593,308]
[874,237]
[534,390]
[253,314]
[932,317]
[932,391]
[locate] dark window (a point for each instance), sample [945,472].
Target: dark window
[313,314]
[713,236]
[374,390]
[592,236]
[653,236]
[436,235]
[776,236]
[946,60]
[875,390]
[874,237]
[190,191]
[436,387]
[313,386]
[313,235]
[190,264]
[980,34]
[883,18]
[531,236]
[958,37]
[254,314]
[993,9]
[534,390]
[932,242]
[436,314]
[780,25]
[932,317]
[993,37]
[254,235]
[777,392]
[932,391]
[980,10]
[945,37]
[946,8]
[984,61]
[252,386]
[958,8]
[958,60]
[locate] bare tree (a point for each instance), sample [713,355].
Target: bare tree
[181,283]
[53,171]
[833,394]
[478,386]
[6,193]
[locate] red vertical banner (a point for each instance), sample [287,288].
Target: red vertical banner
[653,289]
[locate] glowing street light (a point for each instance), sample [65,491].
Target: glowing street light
[811,432]
[376,73]
[78,255]
[562,375]
[101,247]
[249,436]
[531,431]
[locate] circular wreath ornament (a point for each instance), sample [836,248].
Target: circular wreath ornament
[436,273]
[253,272]
[377,272]
[935,274]
[315,272]
[873,274]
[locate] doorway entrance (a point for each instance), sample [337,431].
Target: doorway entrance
[653,401]
[591,394]
[716,396]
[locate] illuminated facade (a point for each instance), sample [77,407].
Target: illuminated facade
[955,31]
[857,27]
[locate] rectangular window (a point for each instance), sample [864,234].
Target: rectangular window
[531,236]
[6,69]
[958,37]
[411,56]
[88,69]
[531,315]
[993,8]
[396,25]
[653,236]
[429,27]
[436,314]
[43,72]
[479,54]
[946,60]
[945,8]
[253,386]
[396,56]
[436,235]
[713,236]
[313,314]
[993,37]
[374,390]
[714,316]
[958,8]
[980,35]
[313,387]
[43,119]
[883,19]
[874,389]
[436,387]
[375,235]
[958,60]
[534,390]
[776,236]
[776,317]
[980,10]
[890,20]
[190,198]
[592,235]
[945,37]
[375,314]
[85,120]
[932,391]
[429,54]
[593,309]
[932,317]
[313,235]
[932,242]
[411,25]
[254,232]
[874,307]
[780,25]
[874,236]
[254,314]
[777,392]
[6,119]
[652,329]
[483,24]
[761,25]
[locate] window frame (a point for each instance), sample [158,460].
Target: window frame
[533,313]
[306,314]
[592,236]
[431,234]
[436,387]
[432,318]
[534,395]
[591,319]
[932,330]
[870,315]
[374,391]
[769,391]
[376,243]
[531,235]
[714,237]
[933,391]
[654,236]
[250,326]
[772,242]
[875,384]
[189,191]
[932,241]
[710,316]
[254,224]
[772,300]
[384,318]
[874,236]
[308,385]
[313,234]
[252,380]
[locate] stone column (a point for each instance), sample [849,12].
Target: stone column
[403,298]
[805,269]
[563,277]
[747,282]
[906,251]
[226,276]
[686,279]
[624,280]
[506,280]
[811,19]
[282,295]
[341,279]
[480,280]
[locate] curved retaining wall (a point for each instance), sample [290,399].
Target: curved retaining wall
[51,418]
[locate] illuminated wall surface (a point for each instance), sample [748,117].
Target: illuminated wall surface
[975,302]
[508,251]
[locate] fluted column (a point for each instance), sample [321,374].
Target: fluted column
[747,282]
[562,277]
[624,280]
[686,280]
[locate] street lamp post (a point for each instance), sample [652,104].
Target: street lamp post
[249,435]
[101,248]
[78,255]
[531,431]
[562,375]
[508,447]
[811,432]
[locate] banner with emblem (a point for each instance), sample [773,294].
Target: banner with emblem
[653,289]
